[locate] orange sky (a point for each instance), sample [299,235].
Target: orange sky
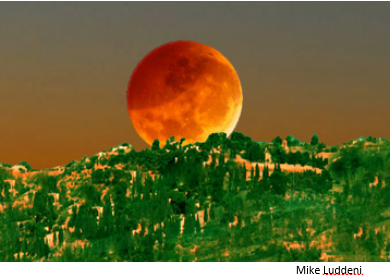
[305,68]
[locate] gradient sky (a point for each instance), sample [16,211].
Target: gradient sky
[305,68]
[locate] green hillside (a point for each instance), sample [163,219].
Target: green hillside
[228,199]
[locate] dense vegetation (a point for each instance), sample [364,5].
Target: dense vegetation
[223,200]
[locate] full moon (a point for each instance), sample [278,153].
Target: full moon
[184,89]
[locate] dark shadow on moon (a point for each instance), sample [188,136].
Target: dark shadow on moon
[182,75]
[181,78]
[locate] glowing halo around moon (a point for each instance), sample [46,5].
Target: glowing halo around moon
[184,89]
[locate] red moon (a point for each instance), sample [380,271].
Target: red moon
[184,89]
